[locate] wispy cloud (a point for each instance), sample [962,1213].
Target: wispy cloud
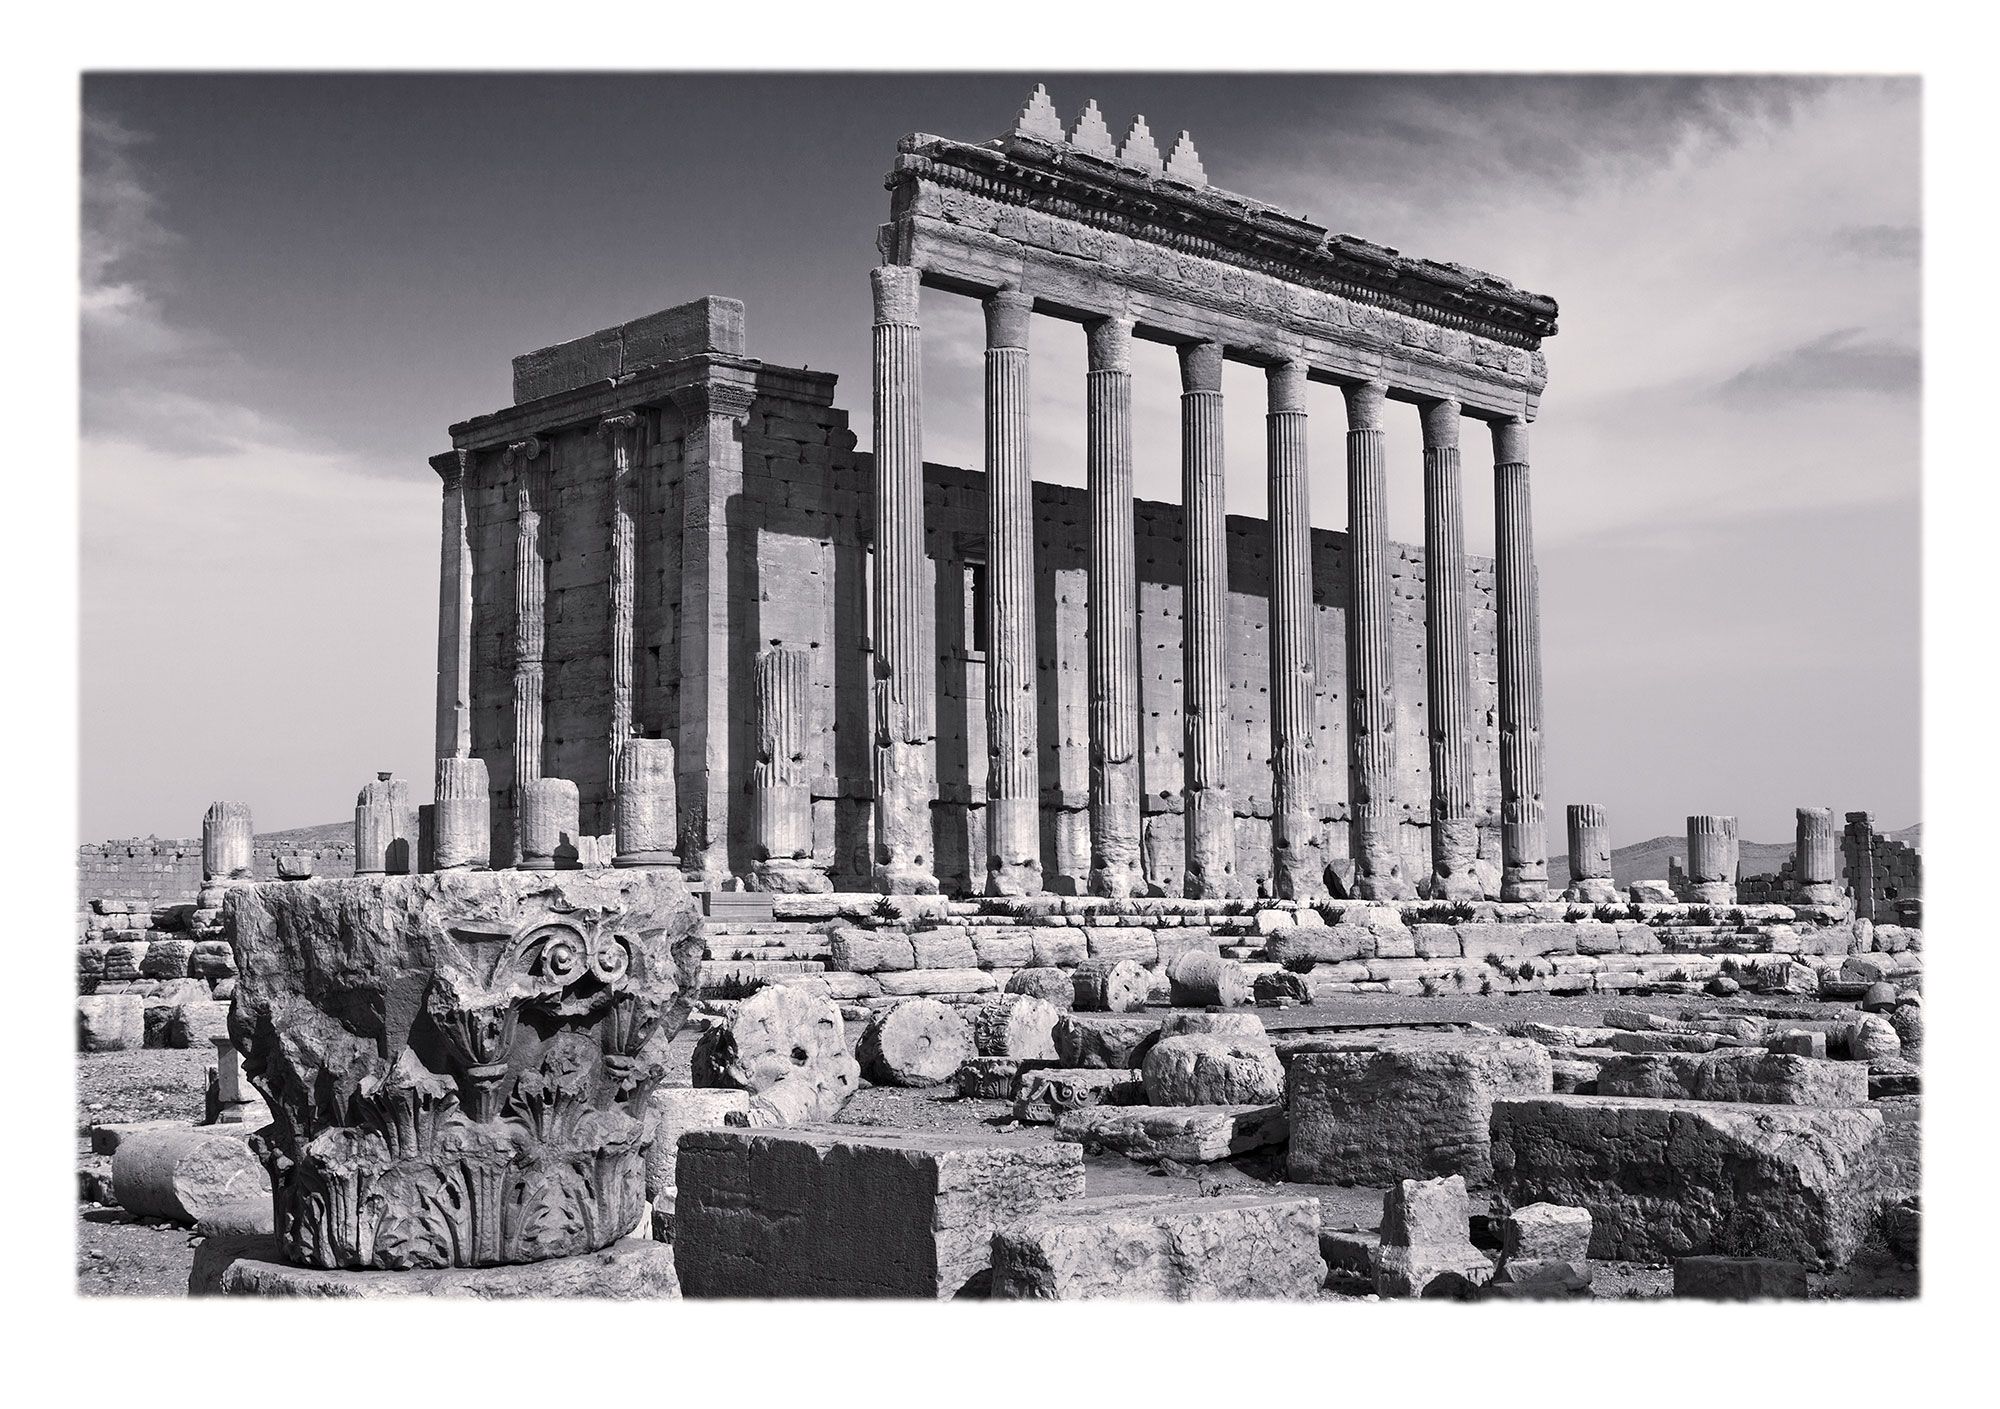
[1842,362]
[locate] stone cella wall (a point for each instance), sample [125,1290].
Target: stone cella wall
[140,884]
[798,574]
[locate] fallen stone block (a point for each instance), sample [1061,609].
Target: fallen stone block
[1057,986]
[672,1112]
[167,959]
[862,952]
[932,983]
[1666,1041]
[1743,1075]
[1797,1044]
[787,1046]
[110,1022]
[633,1269]
[197,1024]
[1199,1070]
[1017,1025]
[1869,1038]
[1247,1027]
[192,1175]
[1710,1278]
[105,1139]
[1185,1134]
[831,1212]
[1043,1094]
[1104,1040]
[1150,1247]
[1559,1035]
[1415,1104]
[1537,1239]
[1666,1178]
[1109,986]
[919,1042]
[1426,1236]
[1280,988]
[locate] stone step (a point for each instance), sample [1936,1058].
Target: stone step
[730,978]
[734,949]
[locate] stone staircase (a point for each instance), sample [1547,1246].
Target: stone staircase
[743,955]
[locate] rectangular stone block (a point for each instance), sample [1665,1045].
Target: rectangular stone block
[1187,1134]
[944,950]
[705,325]
[1739,1279]
[1060,948]
[1320,944]
[1745,1075]
[1405,1106]
[825,1211]
[1118,943]
[859,952]
[673,1111]
[922,983]
[1665,1179]
[1003,949]
[1162,1248]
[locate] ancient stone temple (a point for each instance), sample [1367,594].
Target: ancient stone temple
[990,684]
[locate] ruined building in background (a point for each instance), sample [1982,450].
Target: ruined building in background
[993,685]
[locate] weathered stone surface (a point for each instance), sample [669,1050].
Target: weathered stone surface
[990,1078]
[461,1059]
[167,959]
[1247,1027]
[1426,1235]
[1879,998]
[787,1046]
[1710,1278]
[197,1024]
[1907,1018]
[1109,986]
[1797,1044]
[187,1174]
[551,836]
[1043,1094]
[1149,1247]
[110,1022]
[646,804]
[1202,980]
[385,828]
[1409,1104]
[828,1212]
[675,1110]
[1213,1071]
[858,951]
[226,839]
[920,1042]
[1015,1025]
[1112,636]
[919,983]
[1051,985]
[1665,1179]
[1744,1075]
[632,1269]
[1185,1134]
[1543,1233]
[462,819]
[1870,1038]
[1104,1040]
[1305,945]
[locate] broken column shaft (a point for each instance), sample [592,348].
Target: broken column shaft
[225,843]
[644,804]
[1712,854]
[1590,880]
[1815,874]
[781,819]
[462,816]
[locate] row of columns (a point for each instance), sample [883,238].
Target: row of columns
[904,692]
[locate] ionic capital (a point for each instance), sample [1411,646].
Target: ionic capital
[523,451]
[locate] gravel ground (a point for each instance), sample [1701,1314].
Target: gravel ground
[118,1255]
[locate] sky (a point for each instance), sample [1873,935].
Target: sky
[292,284]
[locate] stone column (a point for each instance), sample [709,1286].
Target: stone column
[1524,845]
[385,828]
[1374,827]
[226,843]
[454,658]
[712,412]
[781,818]
[644,804]
[1711,869]
[1298,865]
[550,826]
[1013,771]
[1113,616]
[1858,842]
[1815,875]
[905,703]
[531,490]
[621,434]
[1210,811]
[462,818]
[1590,881]
[1448,653]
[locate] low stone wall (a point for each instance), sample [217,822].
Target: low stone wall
[149,884]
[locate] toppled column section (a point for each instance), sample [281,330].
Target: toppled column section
[1209,809]
[385,828]
[551,830]
[463,816]
[226,838]
[645,811]
[1712,858]
[1815,877]
[826,1212]
[1590,880]
[781,821]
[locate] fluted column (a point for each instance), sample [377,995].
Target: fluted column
[781,829]
[1113,616]
[1524,842]
[454,658]
[1013,773]
[1210,811]
[385,828]
[1448,651]
[1373,826]
[712,414]
[1298,867]
[645,808]
[1712,857]
[461,817]
[226,843]
[526,460]
[1815,876]
[905,683]
[1590,880]
[621,434]
[551,833]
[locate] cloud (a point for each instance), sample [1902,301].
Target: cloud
[1899,242]
[1844,361]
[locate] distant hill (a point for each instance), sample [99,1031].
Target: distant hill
[325,834]
[1647,860]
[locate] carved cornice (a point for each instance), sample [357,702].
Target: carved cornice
[1121,199]
[714,398]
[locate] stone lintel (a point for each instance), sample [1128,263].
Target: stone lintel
[583,407]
